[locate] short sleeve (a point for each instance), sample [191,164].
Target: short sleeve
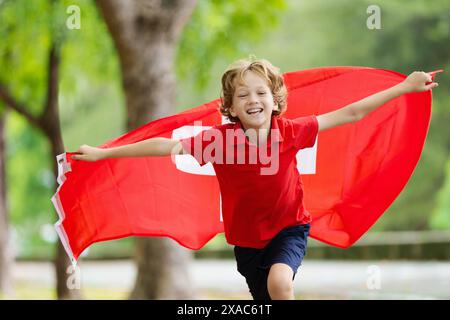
[305,131]
[197,144]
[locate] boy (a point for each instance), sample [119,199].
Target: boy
[263,212]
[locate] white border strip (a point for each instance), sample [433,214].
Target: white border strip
[63,167]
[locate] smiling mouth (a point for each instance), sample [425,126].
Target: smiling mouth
[254,111]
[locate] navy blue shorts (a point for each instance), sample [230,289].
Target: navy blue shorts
[288,247]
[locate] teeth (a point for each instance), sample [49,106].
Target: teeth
[254,110]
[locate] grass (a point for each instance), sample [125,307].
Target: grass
[36,291]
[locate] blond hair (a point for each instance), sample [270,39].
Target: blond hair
[262,68]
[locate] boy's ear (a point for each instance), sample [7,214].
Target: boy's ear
[233,114]
[275,106]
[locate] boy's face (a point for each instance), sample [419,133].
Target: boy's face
[253,102]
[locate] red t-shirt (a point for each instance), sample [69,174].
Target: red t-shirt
[263,196]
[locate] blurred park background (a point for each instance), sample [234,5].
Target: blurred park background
[75,72]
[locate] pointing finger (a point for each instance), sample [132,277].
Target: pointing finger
[433,73]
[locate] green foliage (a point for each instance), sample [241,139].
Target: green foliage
[89,88]
[23,49]
[223,29]
[441,217]
[90,83]
[30,183]
[23,59]
[28,170]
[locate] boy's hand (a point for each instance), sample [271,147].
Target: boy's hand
[418,81]
[88,153]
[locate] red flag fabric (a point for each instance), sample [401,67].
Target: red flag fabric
[350,176]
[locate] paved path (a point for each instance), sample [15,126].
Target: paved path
[321,279]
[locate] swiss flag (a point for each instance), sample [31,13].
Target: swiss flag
[350,176]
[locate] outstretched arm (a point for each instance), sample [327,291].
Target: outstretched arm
[153,147]
[417,81]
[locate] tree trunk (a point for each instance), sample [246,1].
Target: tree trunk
[66,283]
[146,34]
[48,123]
[6,256]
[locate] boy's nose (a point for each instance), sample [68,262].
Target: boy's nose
[253,97]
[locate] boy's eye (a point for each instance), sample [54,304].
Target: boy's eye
[262,93]
[242,95]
